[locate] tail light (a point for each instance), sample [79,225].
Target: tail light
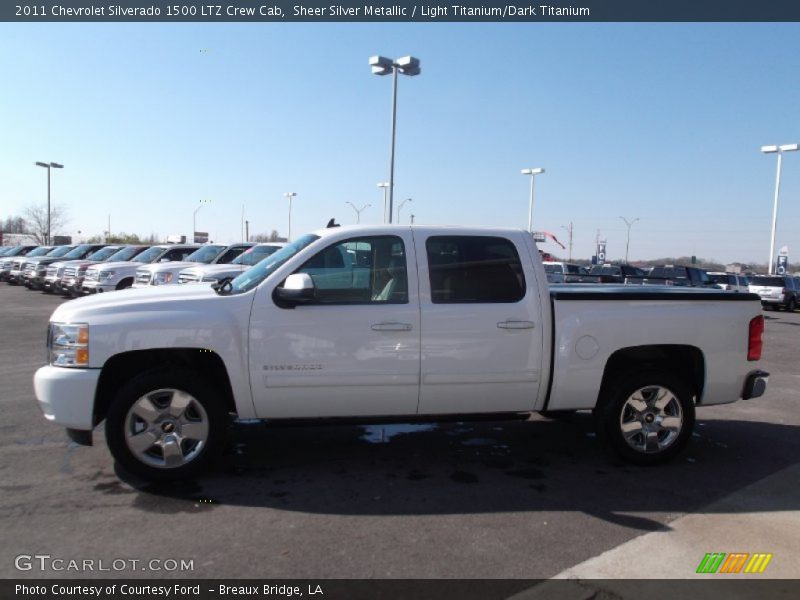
[755,340]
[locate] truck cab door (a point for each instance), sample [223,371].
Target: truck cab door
[482,325]
[352,350]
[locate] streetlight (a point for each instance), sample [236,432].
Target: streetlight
[358,210]
[48,166]
[290,195]
[408,65]
[569,231]
[628,243]
[532,173]
[779,150]
[399,206]
[384,185]
[194,220]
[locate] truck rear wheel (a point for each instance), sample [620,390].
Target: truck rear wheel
[646,418]
[165,424]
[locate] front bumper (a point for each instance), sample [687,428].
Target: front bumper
[66,395]
[755,385]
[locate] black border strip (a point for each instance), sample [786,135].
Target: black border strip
[650,295]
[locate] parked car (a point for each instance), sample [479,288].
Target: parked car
[617,273]
[75,272]
[731,282]
[29,267]
[51,282]
[12,252]
[561,272]
[111,276]
[216,272]
[677,275]
[776,291]
[167,274]
[393,323]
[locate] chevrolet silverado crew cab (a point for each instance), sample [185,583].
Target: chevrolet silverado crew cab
[167,273]
[217,272]
[109,277]
[392,323]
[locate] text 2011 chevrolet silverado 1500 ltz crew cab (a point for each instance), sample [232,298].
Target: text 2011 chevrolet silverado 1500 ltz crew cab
[393,322]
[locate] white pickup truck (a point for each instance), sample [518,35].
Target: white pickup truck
[393,323]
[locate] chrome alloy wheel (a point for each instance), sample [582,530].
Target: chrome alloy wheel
[166,428]
[651,419]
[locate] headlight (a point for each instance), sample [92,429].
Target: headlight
[68,344]
[106,274]
[162,278]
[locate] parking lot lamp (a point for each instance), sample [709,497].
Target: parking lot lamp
[384,185]
[400,206]
[779,150]
[628,241]
[358,210]
[408,65]
[533,173]
[194,220]
[48,166]
[290,195]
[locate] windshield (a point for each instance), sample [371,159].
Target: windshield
[255,255]
[103,253]
[252,277]
[59,251]
[77,251]
[719,278]
[124,254]
[40,251]
[149,255]
[205,254]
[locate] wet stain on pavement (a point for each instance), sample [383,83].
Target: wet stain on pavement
[464,477]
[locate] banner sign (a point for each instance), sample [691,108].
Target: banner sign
[601,253]
[402,11]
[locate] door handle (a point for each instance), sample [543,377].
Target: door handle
[511,324]
[391,327]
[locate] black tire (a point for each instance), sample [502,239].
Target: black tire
[618,407]
[158,386]
[792,306]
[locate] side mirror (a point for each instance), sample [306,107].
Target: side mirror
[297,289]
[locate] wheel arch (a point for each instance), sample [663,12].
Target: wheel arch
[121,367]
[684,361]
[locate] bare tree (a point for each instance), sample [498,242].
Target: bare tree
[13,225]
[36,220]
[274,236]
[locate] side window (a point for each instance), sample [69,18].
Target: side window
[360,271]
[474,269]
[174,254]
[230,254]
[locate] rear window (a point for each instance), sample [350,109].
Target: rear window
[727,279]
[474,269]
[768,281]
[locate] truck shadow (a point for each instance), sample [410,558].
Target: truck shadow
[468,468]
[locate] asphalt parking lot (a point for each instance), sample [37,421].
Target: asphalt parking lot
[488,500]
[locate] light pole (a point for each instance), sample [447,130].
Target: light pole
[779,150]
[290,195]
[358,210]
[533,173]
[194,220]
[384,185]
[628,242]
[400,206]
[48,166]
[408,65]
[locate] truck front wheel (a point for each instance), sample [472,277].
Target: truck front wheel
[165,424]
[647,418]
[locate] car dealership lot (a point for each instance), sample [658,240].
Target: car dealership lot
[523,499]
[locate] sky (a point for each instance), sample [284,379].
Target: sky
[660,122]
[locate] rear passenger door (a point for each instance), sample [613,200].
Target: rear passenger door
[481,325]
